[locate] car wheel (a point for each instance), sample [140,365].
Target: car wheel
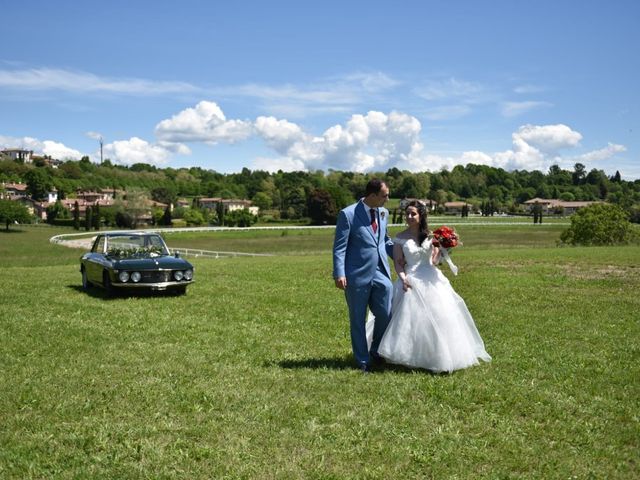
[86,284]
[106,283]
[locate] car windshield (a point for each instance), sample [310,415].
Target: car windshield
[136,245]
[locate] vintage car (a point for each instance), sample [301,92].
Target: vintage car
[120,260]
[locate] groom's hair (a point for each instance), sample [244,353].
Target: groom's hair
[373,186]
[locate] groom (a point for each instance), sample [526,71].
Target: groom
[361,268]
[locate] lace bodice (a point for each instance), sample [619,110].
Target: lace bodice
[415,254]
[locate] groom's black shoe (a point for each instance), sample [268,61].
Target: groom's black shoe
[365,368]
[378,362]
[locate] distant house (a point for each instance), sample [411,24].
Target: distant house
[46,160]
[551,204]
[229,204]
[18,154]
[92,197]
[40,208]
[52,196]
[430,204]
[13,191]
[456,207]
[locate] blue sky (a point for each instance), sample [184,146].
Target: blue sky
[346,85]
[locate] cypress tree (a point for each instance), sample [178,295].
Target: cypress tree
[96,216]
[76,216]
[166,218]
[87,218]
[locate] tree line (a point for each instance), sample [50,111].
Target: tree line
[319,195]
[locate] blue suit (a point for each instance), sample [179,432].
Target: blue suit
[360,255]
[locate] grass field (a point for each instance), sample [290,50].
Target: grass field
[250,374]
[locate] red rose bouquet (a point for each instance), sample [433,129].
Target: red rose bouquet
[445,237]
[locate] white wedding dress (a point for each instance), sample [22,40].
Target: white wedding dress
[430,326]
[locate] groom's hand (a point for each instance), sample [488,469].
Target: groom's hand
[341,283]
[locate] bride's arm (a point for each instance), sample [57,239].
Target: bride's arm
[399,263]
[436,255]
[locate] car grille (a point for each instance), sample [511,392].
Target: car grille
[153,277]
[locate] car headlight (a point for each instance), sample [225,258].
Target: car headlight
[123,276]
[188,274]
[178,275]
[136,276]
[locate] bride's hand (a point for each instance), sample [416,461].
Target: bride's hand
[435,256]
[406,285]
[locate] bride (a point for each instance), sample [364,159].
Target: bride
[430,326]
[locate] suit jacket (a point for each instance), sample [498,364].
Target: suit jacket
[356,249]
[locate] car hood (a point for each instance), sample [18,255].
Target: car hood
[151,263]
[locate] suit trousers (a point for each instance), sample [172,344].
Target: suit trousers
[375,295]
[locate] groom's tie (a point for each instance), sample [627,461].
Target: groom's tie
[374,221]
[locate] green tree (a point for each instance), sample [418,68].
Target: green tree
[193,216]
[579,174]
[13,212]
[321,207]
[567,197]
[165,194]
[76,216]
[262,200]
[56,210]
[38,183]
[137,204]
[166,218]
[599,224]
[616,178]
[88,218]
[96,217]
[124,219]
[240,218]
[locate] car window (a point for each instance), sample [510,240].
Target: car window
[126,241]
[136,244]
[155,241]
[99,246]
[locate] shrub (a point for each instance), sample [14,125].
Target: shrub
[599,224]
[194,217]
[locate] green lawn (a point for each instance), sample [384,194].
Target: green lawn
[249,375]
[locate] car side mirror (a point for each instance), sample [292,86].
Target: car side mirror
[177,254]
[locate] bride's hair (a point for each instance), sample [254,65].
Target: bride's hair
[423,232]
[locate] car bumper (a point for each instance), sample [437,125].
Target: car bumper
[153,286]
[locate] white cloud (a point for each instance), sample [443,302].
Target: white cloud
[447,112]
[279,134]
[60,151]
[83,82]
[450,88]
[534,148]
[53,149]
[513,109]
[604,153]
[26,143]
[364,143]
[204,123]
[372,82]
[528,89]
[548,138]
[274,164]
[179,148]
[338,94]
[136,150]
[378,141]
[94,135]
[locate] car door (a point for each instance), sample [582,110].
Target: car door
[95,261]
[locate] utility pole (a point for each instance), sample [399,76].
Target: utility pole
[100,150]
